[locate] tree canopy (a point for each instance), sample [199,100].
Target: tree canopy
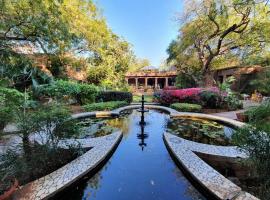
[219,32]
[59,28]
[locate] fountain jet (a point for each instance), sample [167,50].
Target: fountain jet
[142,136]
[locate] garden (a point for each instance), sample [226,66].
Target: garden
[71,128]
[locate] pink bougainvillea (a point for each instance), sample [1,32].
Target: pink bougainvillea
[192,95]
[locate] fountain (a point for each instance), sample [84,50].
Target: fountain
[142,111]
[142,136]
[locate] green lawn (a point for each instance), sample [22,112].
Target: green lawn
[147,98]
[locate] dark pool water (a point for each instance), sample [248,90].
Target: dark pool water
[199,130]
[140,168]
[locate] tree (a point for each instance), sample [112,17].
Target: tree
[62,29]
[139,64]
[108,66]
[215,30]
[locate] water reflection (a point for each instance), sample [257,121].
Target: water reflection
[136,173]
[142,136]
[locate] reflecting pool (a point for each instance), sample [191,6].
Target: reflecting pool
[140,168]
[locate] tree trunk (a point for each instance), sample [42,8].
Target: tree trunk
[209,80]
[26,147]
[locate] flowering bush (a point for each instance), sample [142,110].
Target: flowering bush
[170,88]
[207,97]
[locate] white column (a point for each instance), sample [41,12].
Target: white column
[166,82]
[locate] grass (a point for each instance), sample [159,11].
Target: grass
[102,106]
[186,107]
[147,98]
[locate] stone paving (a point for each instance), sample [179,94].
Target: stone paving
[49,185]
[205,175]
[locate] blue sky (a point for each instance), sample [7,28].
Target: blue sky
[149,25]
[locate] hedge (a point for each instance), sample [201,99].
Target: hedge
[101,106]
[186,107]
[105,96]
[83,93]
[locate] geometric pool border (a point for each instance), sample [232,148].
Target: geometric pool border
[184,151]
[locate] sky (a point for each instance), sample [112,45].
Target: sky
[149,25]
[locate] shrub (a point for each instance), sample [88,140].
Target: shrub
[210,99]
[29,161]
[104,96]
[110,105]
[206,97]
[166,98]
[189,95]
[87,93]
[43,161]
[10,101]
[254,139]
[262,81]
[59,90]
[232,102]
[186,107]
[52,120]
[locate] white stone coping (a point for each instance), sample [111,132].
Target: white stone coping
[56,181]
[184,151]
[203,173]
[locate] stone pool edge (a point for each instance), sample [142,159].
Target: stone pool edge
[216,189]
[49,185]
[173,114]
[210,179]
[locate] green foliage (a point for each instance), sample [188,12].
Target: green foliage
[104,96]
[10,101]
[110,105]
[27,161]
[147,98]
[186,107]
[43,161]
[261,82]
[219,33]
[109,65]
[53,120]
[66,32]
[260,115]
[199,130]
[211,99]
[62,90]
[185,81]
[254,139]
[231,99]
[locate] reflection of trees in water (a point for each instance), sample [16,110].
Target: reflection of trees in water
[121,123]
[94,183]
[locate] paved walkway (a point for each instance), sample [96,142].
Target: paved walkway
[232,114]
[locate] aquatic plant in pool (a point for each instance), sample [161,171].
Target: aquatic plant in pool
[199,130]
[97,127]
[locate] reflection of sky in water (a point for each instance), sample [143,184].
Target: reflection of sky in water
[135,174]
[228,132]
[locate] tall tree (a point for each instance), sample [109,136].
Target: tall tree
[216,29]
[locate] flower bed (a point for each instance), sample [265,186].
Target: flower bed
[189,95]
[206,97]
